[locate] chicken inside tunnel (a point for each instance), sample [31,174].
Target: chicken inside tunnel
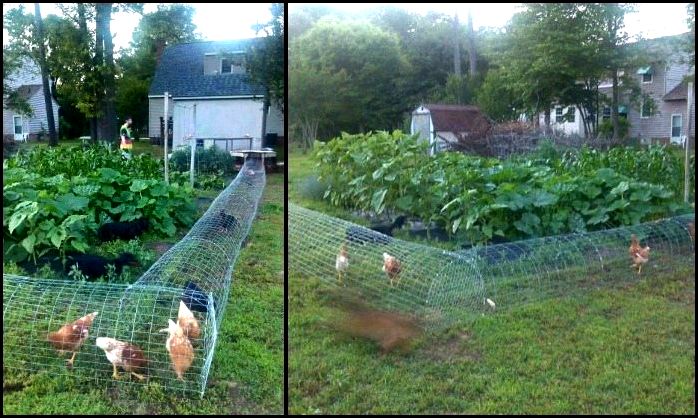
[440,286]
[160,330]
[85,329]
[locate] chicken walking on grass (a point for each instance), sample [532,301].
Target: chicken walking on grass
[125,355]
[342,263]
[180,349]
[638,254]
[70,337]
[392,267]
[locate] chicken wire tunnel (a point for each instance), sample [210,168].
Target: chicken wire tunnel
[160,330]
[441,286]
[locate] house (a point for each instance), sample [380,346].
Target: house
[663,80]
[17,126]
[443,126]
[210,95]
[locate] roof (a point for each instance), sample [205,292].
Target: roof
[181,72]
[455,118]
[679,92]
[27,91]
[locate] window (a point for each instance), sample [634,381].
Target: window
[570,114]
[676,122]
[645,109]
[606,112]
[647,78]
[226,65]
[558,115]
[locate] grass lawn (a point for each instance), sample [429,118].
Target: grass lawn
[620,349]
[247,371]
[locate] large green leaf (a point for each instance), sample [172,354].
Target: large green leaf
[28,243]
[377,200]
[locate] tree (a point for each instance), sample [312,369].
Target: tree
[168,25]
[366,69]
[48,100]
[11,98]
[265,61]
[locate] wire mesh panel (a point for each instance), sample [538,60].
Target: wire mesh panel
[46,323]
[161,330]
[442,286]
[202,261]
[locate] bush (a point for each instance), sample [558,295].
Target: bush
[208,160]
[606,128]
[480,198]
[312,188]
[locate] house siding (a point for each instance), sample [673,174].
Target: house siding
[156,110]
[32,125]
[658,126]
[275,121]
[225,118]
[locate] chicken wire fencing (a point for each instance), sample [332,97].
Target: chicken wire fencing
[160,330]
[440,286]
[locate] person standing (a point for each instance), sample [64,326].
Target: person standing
[126,138]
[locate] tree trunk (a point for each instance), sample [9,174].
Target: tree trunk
[614,107]
[583,115]
[98,63]
[456,48]
[472,54]
[87,64]
[547,119]
[265,110]
[53,138]
[109,105]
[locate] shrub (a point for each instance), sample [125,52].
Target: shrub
[606,128]
[208,160]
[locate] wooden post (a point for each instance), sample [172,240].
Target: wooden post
[167,103]
[193,152]
[686,170]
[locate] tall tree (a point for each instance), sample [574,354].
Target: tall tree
[366,67]
[48,100]
[265,62]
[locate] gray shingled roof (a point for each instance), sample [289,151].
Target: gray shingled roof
[181,72]
[680,92]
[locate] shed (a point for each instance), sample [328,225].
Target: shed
[444,126]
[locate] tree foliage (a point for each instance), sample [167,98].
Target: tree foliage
[265,60]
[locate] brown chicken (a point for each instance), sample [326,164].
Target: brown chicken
[390,330]
[70,337]
[638,254]
[125,355]
[392,267]
[188,322]
[180,349]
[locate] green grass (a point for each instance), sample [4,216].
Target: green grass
[247,371]
[607,351]
[628,347]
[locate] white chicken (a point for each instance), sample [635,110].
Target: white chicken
[122,354]
[342,262]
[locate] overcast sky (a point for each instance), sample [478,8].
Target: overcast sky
[215,22]
[651,20]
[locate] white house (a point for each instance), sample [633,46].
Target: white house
[210,95]
[18,126]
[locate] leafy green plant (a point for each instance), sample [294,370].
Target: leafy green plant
[207,160]
[480,198]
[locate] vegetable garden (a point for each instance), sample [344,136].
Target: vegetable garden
[480,199]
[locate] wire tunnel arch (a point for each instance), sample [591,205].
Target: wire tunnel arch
[196,273]
[445,286]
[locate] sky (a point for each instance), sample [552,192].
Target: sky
[652,20]
[215,22]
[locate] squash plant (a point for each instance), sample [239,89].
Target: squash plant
[478,199]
